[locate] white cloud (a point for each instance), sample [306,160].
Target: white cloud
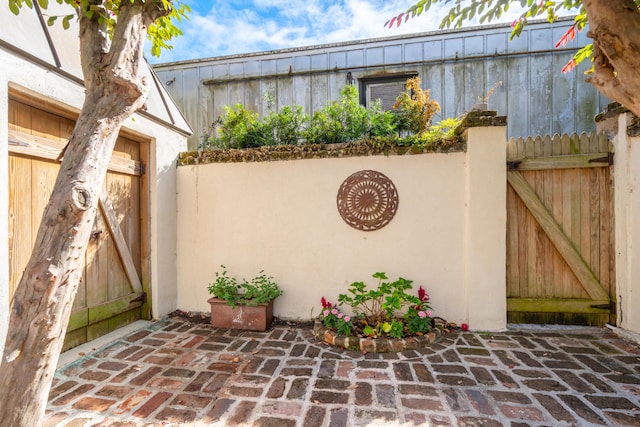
[237,27]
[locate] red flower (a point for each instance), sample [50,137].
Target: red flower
[464,327]
[422,295]
[325,303]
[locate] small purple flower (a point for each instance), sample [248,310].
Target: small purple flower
[326,313]
[429,313]
[334,311]
[340,316]
[347,319]
[422,314]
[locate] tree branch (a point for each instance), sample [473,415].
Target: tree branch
[612,24]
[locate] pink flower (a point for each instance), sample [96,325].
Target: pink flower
[422,314]
[334,311]
[429,313]
[326,313]
[347,319]
[340,316]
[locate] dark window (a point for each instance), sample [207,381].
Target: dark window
[385,88]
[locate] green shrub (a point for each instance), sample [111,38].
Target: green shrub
[286,126]
[442,132]
[260,290]
[341,121]
[377,310]
[347,120]
[239,127]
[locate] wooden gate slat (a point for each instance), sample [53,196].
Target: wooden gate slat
[564,162]
[557,305]
[121,244]
[46,148]
[92,315]
[562,243]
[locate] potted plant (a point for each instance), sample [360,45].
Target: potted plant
[248,305]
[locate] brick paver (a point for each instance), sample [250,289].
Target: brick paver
[177,373]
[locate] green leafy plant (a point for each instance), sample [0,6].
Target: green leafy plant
[239,127]
[341,121]
[261,289]
[419,316]
[286,126]
[443,132]
[333,318]
[378,311]
[347,120]
[378,305]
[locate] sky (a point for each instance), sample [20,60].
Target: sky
[218,28]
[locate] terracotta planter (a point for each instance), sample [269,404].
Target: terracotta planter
[253,318]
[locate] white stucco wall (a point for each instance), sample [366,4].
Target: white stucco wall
[448,234]
[166,144]
[627,232]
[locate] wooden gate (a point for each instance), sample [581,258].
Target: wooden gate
[560,248]
[111,294]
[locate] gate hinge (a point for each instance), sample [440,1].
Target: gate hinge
[611,306]
[608,159]
[142,298]
[143,168]
[513,164]
[18,143]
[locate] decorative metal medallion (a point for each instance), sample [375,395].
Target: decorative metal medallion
[367,200]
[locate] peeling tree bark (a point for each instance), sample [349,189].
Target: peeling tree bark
[614,26]
[44,296]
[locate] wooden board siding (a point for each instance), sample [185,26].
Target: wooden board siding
[560,257]
[112,292]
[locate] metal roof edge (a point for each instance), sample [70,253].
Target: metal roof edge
[352,43]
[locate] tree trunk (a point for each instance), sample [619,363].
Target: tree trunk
[614,26]
[43,299]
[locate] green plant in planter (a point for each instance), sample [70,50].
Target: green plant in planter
[378,311]
[260,290]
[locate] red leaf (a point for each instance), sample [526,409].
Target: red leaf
[569,67]
[399,20]
[392,21]
[567,37]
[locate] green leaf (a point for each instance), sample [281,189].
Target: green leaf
[43,3]
[65,21]
[15,9]
[379,275]
[51,20]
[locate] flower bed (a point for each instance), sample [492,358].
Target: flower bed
[374,345]
[384,319]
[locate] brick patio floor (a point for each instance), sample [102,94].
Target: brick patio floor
[179,373]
